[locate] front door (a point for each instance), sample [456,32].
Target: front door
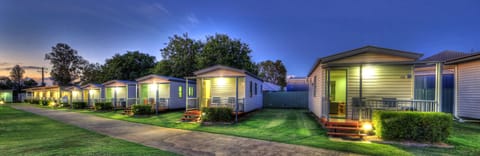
[338,93]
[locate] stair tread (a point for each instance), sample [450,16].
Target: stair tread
[343,128]
[345,134]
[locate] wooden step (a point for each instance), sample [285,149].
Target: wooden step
[346,124]
[343,128]
[345,134]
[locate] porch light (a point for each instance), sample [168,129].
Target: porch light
[221,81]
[91,91]
[152,87]
[366,126]
[368,72]
[2,102]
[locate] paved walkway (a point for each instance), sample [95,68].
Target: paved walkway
[179,141]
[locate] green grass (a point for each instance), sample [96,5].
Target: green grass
[298,127]
[23,133]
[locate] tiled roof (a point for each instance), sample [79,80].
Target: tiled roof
[446,55]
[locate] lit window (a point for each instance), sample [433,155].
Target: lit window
[190,91]
[180,91]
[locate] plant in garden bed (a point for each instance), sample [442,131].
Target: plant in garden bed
[142,110]
[430,127]
[217,114]
[79,105]
[103,106]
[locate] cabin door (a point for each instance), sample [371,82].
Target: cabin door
[338,93]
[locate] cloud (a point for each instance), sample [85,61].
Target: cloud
[24,67]
[192,19]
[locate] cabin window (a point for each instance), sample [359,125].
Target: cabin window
[315,86]
[251,87]
[256,88]
[180,91]
[190,91]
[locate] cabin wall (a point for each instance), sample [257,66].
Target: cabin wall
[316,92]
[468,94]
[254,95]
[175,101]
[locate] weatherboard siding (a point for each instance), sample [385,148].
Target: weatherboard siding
[468,94]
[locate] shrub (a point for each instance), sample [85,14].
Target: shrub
[217,114]
[43,102]
[79,105]
[412,126]
[142,109]
[34,101]
[103,106]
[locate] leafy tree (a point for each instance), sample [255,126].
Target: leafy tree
[223,50]
[28,83]
[128,66]
[92,73]
[16,75]
[5,83]
[67,64]
[179,56]
[274,72]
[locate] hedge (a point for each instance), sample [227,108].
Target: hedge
[79,105]
[142,109]
[413,126]
[34,101]
[103,106]
[217,114]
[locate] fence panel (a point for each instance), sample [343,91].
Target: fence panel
[298,99]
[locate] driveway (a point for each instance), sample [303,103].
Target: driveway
[179,141]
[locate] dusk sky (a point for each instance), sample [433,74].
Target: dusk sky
[296,32]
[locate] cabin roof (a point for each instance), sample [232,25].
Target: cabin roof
[365,49]
[219,67]
[446,55]
[125,82]
[92,85]
[168,78]
[470,57]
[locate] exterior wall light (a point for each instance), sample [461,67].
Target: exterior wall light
[366,126]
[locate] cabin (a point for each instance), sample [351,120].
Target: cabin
[346,87]
[467,86]
[49,93]
[93,93]
[222,86]
[121,93]
[164,92]
[6,96]
[74,94]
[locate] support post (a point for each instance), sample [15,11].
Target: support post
[327,74]
[186,98]
[360,93]
[236,99]
[115,99]
[156,99]
[438,86]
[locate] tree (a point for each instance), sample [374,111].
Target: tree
[128,66]
[274,72]
[179,56]
[92,73]
[5,83]
[29,83]
[223,50]
[16,75]
[66,62]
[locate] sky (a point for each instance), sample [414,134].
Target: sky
[296,32]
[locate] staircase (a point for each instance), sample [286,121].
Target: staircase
[192,116]
[344,128]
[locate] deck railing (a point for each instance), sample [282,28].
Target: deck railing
[364,110]
[193,103]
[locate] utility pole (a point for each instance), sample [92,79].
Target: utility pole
[43,76]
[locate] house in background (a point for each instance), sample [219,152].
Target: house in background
[93,93]
[6,96]
[296,84]
[164,92]
[270,87]
[467,85]
[222,86]
[121,93]
[425,79]
[50,93]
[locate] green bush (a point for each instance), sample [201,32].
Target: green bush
[79,105]
[43,102]
[103,106]
[34,101]
[413,126]
[142,109]
[217,114]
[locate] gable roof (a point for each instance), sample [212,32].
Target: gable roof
[365,49]
[125,82]
[92,85]
[446,55]
[168,78]
[219,67]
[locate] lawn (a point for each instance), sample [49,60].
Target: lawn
[294,126]
[23,133]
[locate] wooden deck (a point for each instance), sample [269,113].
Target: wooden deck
[343,127]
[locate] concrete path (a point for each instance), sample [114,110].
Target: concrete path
[179,141]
